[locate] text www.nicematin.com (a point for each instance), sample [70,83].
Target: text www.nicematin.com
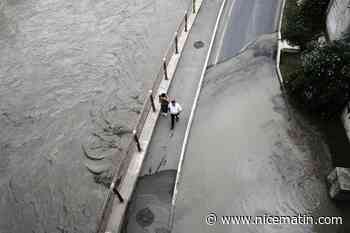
[212,219]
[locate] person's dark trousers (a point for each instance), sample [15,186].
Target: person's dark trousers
[164,108]
[174,117]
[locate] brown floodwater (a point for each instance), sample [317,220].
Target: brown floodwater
[72,74]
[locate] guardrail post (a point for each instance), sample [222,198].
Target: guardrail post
[152,100]
[137,141]
[165,69]
[115,191]
[194,6]
[186,19]
[176,44]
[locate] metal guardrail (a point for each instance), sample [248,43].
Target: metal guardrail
[279,41]
[134,144]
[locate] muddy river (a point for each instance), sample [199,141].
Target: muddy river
[72,78]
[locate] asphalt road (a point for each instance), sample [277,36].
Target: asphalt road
[162,158]
[243,21]
[246,154]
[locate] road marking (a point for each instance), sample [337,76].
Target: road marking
[189,124]
[221,41]
[279,38]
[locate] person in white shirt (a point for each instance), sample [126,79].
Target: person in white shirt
[175,109]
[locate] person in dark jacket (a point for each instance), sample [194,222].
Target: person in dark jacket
[164,103]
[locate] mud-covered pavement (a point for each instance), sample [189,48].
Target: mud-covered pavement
[149,200]
[73,74]
[149,208]
[260,157]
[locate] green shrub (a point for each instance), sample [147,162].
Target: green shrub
[322,85]
[294,28]
[304,20]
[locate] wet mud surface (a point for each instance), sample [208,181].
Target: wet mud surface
[73,75]
[261,156]
[150,205]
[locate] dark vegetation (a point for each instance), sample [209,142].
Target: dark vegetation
[318,77]
[304,20]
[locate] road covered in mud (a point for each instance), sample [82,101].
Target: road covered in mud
[260,156]
[73,75]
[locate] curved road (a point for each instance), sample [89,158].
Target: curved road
[242,23]
[250,154]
